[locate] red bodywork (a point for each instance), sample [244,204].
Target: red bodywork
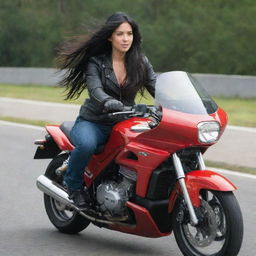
[59,137]
[176,131]
[145,224]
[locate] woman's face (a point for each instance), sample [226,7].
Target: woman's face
[122,38]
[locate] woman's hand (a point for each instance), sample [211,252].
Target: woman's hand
[113,105]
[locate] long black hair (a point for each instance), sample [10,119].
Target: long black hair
[73,56]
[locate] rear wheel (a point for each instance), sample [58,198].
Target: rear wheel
[63,218]
[220,228]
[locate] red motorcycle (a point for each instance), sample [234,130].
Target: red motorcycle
[150,178]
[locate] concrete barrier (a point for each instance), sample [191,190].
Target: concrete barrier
[216,85]
[228,85]
[39,76]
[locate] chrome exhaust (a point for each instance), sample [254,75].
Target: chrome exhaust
[53,190]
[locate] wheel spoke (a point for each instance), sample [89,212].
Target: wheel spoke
[60,210]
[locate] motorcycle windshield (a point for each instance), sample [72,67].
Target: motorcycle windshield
[180,91]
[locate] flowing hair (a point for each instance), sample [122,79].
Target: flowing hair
[73,56]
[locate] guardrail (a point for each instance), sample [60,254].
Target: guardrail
[215,84]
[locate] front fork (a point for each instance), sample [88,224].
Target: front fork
[181,178]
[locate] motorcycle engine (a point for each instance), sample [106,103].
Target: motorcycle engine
[113,195]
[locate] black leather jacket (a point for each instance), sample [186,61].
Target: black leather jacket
[102,86]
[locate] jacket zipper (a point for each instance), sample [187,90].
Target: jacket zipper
[120,95]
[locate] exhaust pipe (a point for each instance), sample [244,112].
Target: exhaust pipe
[53,190]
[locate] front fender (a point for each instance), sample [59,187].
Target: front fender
[198,180]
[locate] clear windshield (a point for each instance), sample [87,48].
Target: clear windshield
[180,91]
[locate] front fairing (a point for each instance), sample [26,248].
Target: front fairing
[184,105]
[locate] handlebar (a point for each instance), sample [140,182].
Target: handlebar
[126,110]
[142,110]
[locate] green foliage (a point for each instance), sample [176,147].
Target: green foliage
[24,121]
[203,36]
[226,166]
[245,115]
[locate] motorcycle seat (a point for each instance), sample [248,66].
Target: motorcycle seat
[66,128]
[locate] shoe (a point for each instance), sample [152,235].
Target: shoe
[80,198]
[62,169]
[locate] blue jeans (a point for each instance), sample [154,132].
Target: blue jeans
[85,136]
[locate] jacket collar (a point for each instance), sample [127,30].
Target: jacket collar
[107,64]
[107,61]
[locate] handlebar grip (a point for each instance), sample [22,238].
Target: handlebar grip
[127,108]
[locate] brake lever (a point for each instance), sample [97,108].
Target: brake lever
[122,113]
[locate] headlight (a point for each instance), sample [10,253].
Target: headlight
[208,132]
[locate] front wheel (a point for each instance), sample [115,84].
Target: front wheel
[63,218]
[220,228]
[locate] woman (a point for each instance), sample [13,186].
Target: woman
[111,65]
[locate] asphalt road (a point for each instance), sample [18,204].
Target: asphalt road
[26,230]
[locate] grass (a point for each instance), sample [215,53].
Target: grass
[49,93]
[35,92]
[240,111]
[236,168]
[24,121]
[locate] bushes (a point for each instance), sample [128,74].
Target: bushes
[203,36]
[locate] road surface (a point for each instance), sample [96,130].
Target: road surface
[26,230]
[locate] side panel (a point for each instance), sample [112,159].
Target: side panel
[122,145]
[145,225]
[148,159]
[59,137]
[99,161]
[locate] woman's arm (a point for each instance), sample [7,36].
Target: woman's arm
[94,83]
[96,90]
[151,80]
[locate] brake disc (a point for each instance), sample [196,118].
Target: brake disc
[204,233]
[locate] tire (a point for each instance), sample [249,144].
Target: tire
[64,219]
[220,228]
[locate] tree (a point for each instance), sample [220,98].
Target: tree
[204,36]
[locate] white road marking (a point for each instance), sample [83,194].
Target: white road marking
[40,103]
[229,172]
[21,125]
[245,175]
[240,128]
